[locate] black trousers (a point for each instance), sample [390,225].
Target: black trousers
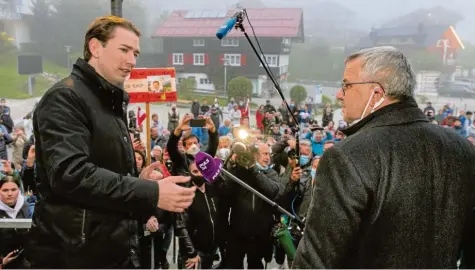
[257,250]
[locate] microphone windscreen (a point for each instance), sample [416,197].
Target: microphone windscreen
[208,166]
[226,28]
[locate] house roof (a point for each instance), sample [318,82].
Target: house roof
[267,22]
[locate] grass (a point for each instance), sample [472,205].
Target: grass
[15,86]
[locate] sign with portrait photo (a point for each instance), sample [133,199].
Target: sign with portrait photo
[151,85]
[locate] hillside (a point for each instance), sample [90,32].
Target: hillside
[15,86]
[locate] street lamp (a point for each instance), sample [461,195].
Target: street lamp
[225,62]
[68,51]
[116,7]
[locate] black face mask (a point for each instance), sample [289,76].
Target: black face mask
[198,180]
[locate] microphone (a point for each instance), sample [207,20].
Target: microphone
[211,168]
[228,25]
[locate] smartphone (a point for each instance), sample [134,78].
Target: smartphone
[17,252]
[137,136]
[197,122]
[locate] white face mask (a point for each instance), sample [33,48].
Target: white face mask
[224,153]
[193,150]
[376,105]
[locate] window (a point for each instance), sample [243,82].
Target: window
[286,41]
[178,59]
[230,42]
[198,42]
[199,59]
[271,60]
[205,81]
[232,59]
[179,80]
[284,69]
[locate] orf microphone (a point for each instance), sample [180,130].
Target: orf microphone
[211,167]
[228,25]
[208,166]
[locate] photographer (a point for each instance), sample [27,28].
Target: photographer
[251,218]
[297,180]
[191,143]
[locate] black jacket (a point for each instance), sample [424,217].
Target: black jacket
[84,160]
[250,215]
[200,227]
[398,192]
[11,239]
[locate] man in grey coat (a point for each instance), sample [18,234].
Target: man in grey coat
[399,192]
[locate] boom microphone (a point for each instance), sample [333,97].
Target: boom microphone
[228,25]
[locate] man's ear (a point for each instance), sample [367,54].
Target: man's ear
[95,47]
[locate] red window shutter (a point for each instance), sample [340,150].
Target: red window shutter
[170,59]
[243,60]
[221,59]
[189,57]
[186,58]
[206,59]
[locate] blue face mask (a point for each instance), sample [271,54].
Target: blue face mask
[313,173]
[304,160]
[262,168]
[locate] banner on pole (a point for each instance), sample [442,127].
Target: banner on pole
[151,85]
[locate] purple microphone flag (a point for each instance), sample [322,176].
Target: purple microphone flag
[208,166]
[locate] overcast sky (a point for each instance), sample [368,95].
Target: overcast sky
[368,12]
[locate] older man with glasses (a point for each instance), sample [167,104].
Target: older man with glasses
[398,192]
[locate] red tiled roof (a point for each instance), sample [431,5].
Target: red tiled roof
[267,22]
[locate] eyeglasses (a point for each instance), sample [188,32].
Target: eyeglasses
[345,85]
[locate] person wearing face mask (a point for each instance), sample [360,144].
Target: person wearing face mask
[383,196]
[224,147]
[200,228]
[191,143]
[251,218]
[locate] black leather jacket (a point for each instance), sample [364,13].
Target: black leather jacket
[84,160]
[200,227]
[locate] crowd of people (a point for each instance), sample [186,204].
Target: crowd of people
[387,190]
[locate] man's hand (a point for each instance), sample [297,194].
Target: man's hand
[152,224]
[193,262]
[31,157]
[10,257]
[148,172]
[172,197]
[291,143]
[7,167]
[184,124]
[296,174]
[209,123]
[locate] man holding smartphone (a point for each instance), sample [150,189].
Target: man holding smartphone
[191,142]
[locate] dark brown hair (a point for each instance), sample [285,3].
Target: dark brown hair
[103,28]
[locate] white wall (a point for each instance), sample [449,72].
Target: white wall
[198,77]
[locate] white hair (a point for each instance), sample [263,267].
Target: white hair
[389,67]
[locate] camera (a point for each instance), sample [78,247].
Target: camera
[244,154]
